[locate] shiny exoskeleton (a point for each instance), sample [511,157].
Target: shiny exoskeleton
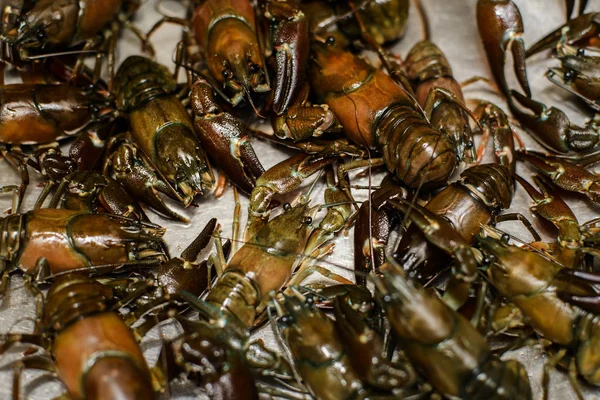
[452,355]
[385,21]
[475,199]
[161,126]
[378,114]
[40,114]
[552,128]
[322,360]
[578,73]
[215,364]
[126,165]
[568,248]
[47,242]
[262,265]
[224,138]
[582,31]
[233,44]
[428,68]
[277,248]
[500,27]
[540,288]
[226,30]
[88,345]
[43,28]
[481,193]
[64,23]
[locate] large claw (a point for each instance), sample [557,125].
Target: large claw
[552,208]
[500,26]
[279,179]
[89,146]
[372,230]
[564,174]
[127,166]
[579,74]
[579,30]
[440,232]
[223,137]
[88,189]
[551,127]
[291,45]
[571,6]
[301,120]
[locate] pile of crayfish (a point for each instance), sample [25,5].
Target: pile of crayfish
[437,295]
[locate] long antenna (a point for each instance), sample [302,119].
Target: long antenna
[425,27]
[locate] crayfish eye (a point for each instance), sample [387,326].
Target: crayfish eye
[307,220]
[310,301]
[569,74]
[287,207]
[469,144]
[226,73]
[286,320]
[489,259]
[505,238]
[254,68]
[40,35]
[580,52]
[330,41]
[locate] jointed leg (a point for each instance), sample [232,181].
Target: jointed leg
[219,261]
[4,276]
[19,161]
[41,271]
[523,220]
[16,197]
[549,366]
[144,38]
[235,226]
[31,362]
[573,379]
[344,168]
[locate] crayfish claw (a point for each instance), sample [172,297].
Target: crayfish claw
[588,303]
[571,6]
[520,67]
[291,44]
[224,137]
[579,29]
[500,26]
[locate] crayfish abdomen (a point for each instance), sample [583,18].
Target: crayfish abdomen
[375,112]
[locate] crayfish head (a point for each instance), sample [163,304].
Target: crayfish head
[182,161]
[237,62]
[49,22]
[288,232]
[515,271]
[310,334]
[415,313]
